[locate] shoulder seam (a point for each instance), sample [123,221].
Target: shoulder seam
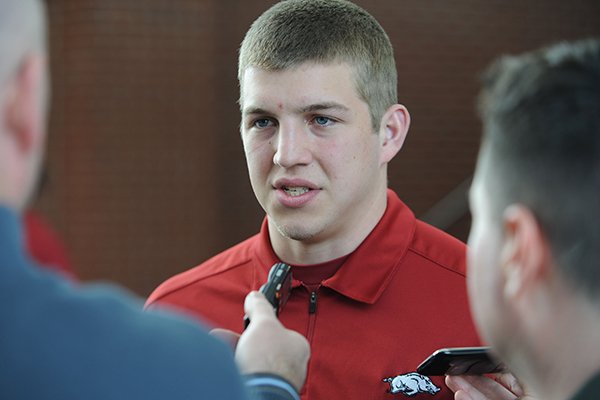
[444,266]
[195,280]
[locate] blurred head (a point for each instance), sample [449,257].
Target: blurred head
[538,174]
[295,32]
[23,98]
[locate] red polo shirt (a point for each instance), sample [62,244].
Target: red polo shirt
[399,296]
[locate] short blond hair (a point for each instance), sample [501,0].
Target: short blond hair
[293,32]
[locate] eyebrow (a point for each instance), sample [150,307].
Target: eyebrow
[307,109]
[323,106]
[254,110]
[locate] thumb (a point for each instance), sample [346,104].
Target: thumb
[257,307]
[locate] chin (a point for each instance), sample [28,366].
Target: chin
[295,232]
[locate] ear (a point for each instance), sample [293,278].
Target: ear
[393,129]
[24,110]
[525,255]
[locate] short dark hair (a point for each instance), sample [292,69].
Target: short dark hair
[293,32]
[541,115]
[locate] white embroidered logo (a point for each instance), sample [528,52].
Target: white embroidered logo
[411,384]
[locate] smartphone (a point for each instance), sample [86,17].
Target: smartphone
[461,361]
[277,288]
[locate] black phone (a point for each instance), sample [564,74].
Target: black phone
[277,288]
[461,361]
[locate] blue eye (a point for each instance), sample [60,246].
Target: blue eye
[323,121]
[262,123]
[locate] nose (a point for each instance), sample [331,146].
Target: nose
[292,147]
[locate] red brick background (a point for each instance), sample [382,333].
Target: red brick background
[146,172]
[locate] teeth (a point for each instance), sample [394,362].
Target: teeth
[295,191]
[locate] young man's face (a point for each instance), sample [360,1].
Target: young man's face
[313,158]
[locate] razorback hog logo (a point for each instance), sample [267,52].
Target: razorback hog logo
[411,384]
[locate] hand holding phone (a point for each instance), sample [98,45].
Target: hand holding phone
[277,288]
[461,361]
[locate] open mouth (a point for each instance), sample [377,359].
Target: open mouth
[295,191]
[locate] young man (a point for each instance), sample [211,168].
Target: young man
[534,278]
[62,342]
[375,291]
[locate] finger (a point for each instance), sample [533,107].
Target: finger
[462,395]
[226,336]
[456,383]
[481,387]
[510,381]
[452,383]
[258,307]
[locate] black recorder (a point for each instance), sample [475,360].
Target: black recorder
[277,288]
[461,361]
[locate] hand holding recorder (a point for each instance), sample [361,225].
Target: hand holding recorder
[266,346]
[277,288]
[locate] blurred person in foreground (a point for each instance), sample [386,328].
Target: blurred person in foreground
[534,247]
[95,342]
[375,290]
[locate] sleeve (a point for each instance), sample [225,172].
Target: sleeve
[99,344]
[269,387]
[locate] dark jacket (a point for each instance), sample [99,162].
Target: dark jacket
[61,341]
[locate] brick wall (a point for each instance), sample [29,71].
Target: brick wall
[146,172]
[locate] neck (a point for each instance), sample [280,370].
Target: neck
[565,352]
